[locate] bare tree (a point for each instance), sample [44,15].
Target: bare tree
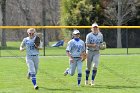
[46,41]
[25,9]
[119,12]
[3,9]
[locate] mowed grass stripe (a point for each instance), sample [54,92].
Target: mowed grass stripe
[116,74]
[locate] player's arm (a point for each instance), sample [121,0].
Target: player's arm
[69,55]
[88,42]
[22,46]
[91,45]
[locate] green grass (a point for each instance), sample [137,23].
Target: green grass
[116,74]
[13,50]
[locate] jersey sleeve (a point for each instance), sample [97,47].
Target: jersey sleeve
[101,35]
[23,43]
[69,46]
[87,39]
[84,48]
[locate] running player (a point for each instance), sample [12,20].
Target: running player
[32,55]
[75,50]
[93,39]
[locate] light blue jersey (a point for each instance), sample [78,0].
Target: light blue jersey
[75,48]
[94,39]
[30,48]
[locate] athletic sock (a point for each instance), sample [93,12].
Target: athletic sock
[87,74]
[79,78]
[33,79]
[94,74]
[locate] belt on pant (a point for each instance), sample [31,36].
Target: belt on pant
[33,55]
[76,57]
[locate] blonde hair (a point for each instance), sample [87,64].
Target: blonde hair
[31,30]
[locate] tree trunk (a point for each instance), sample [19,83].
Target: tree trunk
[3,9]
[119,42]
[46,41]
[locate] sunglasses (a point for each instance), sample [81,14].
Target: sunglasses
[77,34]
[30,33]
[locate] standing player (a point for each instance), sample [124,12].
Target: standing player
[32,55]
[93,39]
[75,51]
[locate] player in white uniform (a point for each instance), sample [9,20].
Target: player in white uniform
[32,55]
[75,50]
[93,39]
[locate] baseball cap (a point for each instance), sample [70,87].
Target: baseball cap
[94,25]
[76,32]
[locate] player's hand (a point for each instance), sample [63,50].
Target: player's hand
[94,45]
[71,60]
[22,49]
[83,57]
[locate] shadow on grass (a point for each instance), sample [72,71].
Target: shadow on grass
[9,48]
[113,87]
[59,89]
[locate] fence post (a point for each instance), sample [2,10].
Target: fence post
[44,36]
[127,40]
[0,49]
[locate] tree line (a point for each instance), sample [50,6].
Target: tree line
[105,13]
[72,13]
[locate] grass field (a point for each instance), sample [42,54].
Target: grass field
[13,50]
[116,74]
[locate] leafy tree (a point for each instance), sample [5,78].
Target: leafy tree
[80,12]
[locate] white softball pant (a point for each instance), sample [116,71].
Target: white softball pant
[32,63]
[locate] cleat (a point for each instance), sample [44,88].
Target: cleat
[66,72]
[36,87]
[79,85]
[28,75]
[92,83]
[86,82]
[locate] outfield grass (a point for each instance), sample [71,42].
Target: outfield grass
[13,50]
[116,74]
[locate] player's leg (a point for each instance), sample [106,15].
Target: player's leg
[31,69]
[95,66]
[88,65]
[79,70]
[36,62]
[71,69]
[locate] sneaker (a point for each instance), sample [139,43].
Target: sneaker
[66,72]
[79,85]
[36,87]
[28,75]
[92,83]
[86,82]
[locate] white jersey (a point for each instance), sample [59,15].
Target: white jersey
[75,48]
[30,48]
[94,39]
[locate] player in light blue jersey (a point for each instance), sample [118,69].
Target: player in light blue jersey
[32,55]
[93,39]
[75,50]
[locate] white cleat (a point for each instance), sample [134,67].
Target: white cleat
[66,72]
[92,83]
[36,87]
[86,82]
[79,85]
